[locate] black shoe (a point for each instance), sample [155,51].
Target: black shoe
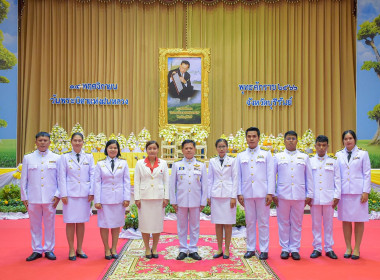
[316,254]
[354,257]
[50,256]
[73,258]
[115,256]
[82,256]
[347,256]
[195,256]
[218,255]
[226,257]
[108,257]
[181,256]
[33,256]
[154,256]
[249,254]
[331,255]
[263,256]
[296,256]
[284,255]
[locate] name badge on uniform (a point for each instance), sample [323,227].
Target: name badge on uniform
[197,167]
[227,165]
[181,168]
[52,161]
[120,167]
[300,158]
[356,157]
[86,163]
[260,156]
[329,163]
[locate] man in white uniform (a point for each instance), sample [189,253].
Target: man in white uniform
[327,189]
[188,196]
[294,191]
[39,193]
[255,185]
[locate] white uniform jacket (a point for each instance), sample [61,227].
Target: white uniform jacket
[255,173]
[39,183]
[356,174]
[294,175]
[326,174]
[188,183]
[112,187]
[150,185]
[76,179]
[221,178]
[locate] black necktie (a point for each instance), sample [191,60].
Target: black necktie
[221,161]
[349,156]
[78,157]
[112,164]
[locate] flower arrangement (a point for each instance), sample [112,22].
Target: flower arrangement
[195,129]
[122,141]
[10,199]
[132,218]
[144,134]
[167,135]
[201,136]
[90,142]
[77,128]
[59,139]
[17,174]
[306,143]
[101,140]
[182,137]
[131,142]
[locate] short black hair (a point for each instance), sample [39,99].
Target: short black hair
[290,132]
[185,62]
[252,128]
[322,138]
[42,134]
[349,132]
[110,142]
[221,140]
[75,134]
[187,141]
[151,142]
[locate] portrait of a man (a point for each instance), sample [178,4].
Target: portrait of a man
[179,82]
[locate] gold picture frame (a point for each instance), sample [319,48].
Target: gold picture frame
[179,105]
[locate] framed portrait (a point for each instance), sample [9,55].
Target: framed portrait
[184,88]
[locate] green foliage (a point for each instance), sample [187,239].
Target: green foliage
[169,209]
[375,113]
[3,123]
[368,31]
[374,201]
[8,152]
[195,119]
[132,218]
[4,6]
[368,65]
[240,217]
[4,80]
[272,205]
[10,192]
[373,152]
[10,199]
[207,210]
[7,59]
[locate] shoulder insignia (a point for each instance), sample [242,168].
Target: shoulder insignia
[88,153]
[232,155]
[180,159]
[214,156]
[333,157]
[362,149]
[311,155]
[67,152]
[122,158]
[302,152]
[101,159]
[339,150]
[200,160]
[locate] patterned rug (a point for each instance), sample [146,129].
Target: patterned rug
[132,263]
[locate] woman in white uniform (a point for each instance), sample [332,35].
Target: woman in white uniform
[222,196]
[112,195]
[151,196]
[355,170]
[75,182]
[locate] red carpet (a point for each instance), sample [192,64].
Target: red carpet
[15,244]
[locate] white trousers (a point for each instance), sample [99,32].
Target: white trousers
[325,213]
[257,211]
[188,221]
[37,214]
[289,218]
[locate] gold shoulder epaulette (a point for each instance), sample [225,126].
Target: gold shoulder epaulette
[334,157]
[102,159]
[361,149]
[233,156]
[122,158]
[66,152]
[311,155]
[88,152]
[178,160]
[214,156]
[340,150]
[200,160]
